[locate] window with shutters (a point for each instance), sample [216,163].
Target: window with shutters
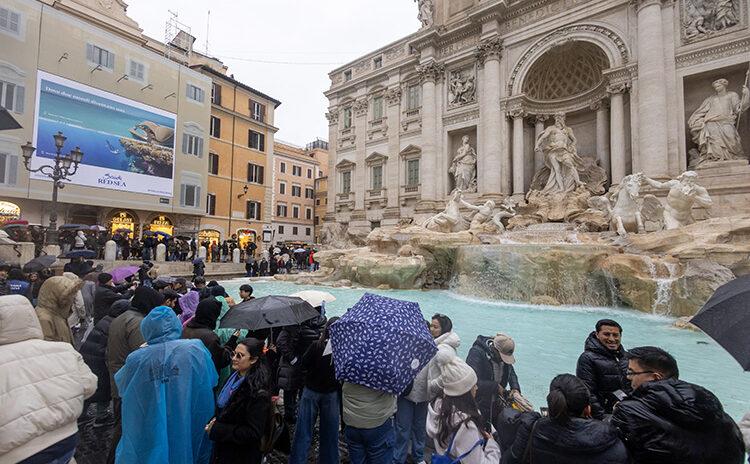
[211,204]
[213,163]
[346,182]
[281,229]
[307,231]
[377,177]
[282,188]
[10,21]
[252,210]
[412,173]
[297,171]
[8,169]
[309,173]
[295,212]
[216,93]
[257,111]
[255,173]
[309,193]
[190,195]
[296,191]
[97,55]
[282,167]
[281,210]
[377,108]
[12,96]
[308,213]
[347,118]
[413,97]
[136,71]
[295,230]
[194,93]
[215,127]
[192,145]
[256,140]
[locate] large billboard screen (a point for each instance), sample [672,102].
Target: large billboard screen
[126,145]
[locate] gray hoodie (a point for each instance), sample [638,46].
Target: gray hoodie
[449,342]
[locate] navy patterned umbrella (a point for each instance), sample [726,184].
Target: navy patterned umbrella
[381,343]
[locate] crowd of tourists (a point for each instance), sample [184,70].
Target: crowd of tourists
[177,388]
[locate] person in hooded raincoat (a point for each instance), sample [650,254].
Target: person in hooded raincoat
[55,305]
[167,396]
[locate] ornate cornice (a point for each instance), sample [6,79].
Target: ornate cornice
[432,71]
[619,80]
[333,117]
[393,96]
[713,53]
[360,107]
[463,117]
[488,49]
[562,34]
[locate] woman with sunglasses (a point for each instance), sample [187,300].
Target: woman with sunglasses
[243,407]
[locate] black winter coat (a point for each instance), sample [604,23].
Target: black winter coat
[240,426]
[292,344]
[94,352]
[674,422]
[103,299]
[604,372]
[221,355]
[580,441]
[481,357]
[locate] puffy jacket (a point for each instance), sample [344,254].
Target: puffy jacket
[292,344]
[202,327]
[20,287]
[448,342]
[604,372]
[94,350]
[481,358]
[44,397]
[466,436]
[580,441]
[675,422]
[54,306]
[103,299]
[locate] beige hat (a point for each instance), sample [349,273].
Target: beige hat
[505,346]
[457,377]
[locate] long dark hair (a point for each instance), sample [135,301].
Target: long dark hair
[568,397]
[465,404]
[258,378]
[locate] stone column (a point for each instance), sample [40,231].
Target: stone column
[429,73]
[392,181]
[652,92]
[518,152]
[489,52]
[333,128]
[538,129]
[602,135]
[359,176]
[618,162]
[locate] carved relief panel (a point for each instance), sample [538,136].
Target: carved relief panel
[705,19]
[462,87]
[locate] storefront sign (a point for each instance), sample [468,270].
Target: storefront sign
[9,212]
[162,224]
[122,222]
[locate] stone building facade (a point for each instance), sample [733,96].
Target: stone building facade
[627,74]
[294,173]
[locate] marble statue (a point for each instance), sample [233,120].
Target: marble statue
[558,145]
[450,219]
[426,12]
[684,193]
[713,125]
[461,89]
[464,167]
[507,210]
[482,214]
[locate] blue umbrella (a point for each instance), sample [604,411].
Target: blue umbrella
[381,343]
[86,254]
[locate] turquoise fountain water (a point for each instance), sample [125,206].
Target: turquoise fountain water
[549,340]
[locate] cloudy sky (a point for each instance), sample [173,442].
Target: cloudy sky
[285,48]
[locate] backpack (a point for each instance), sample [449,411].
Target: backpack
[446,457]
[276,434]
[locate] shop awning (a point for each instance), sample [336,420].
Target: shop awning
[7,122]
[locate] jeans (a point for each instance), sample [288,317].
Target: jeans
[411,419]
[370,446]
[311,405]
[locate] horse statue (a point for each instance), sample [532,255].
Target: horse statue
[626,207]
[450,219]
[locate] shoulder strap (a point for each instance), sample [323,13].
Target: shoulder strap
[527,453]
[479,442]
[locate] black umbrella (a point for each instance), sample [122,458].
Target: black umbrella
[86,254]
[726,319]
[7,122]
[268,311]
[37,264]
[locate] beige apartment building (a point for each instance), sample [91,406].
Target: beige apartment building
[318,149]
[240,183]
[139,114]
[295,171]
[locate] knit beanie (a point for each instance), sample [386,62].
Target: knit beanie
[457,376]
[104,277]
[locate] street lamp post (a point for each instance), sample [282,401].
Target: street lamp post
[65,166]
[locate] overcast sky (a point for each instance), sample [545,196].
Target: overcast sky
[315,36]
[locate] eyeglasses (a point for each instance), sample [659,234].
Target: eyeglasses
[237,355]
[630,373]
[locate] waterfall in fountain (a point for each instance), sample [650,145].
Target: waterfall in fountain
[662,304]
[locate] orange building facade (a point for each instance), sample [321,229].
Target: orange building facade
[240,170]
[295,171]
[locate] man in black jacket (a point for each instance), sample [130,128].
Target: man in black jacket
[492,360]
[106,294]
[670,421]
[603,367]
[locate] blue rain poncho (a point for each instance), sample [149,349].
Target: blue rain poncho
[167,396]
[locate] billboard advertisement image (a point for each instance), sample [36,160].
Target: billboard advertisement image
[127,146]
